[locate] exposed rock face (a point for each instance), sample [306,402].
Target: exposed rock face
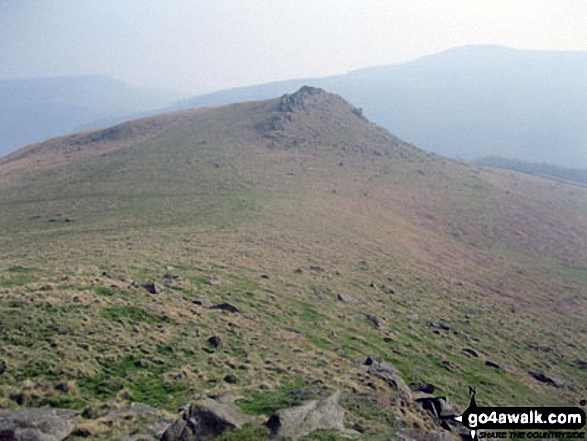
[206,420]
[37,424]
[296,422]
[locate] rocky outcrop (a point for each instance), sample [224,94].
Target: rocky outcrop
[205,420]
[37,424]
[296,422]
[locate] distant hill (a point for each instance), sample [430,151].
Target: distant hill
[33,110]
[466,102]
[279,250]
[548,170]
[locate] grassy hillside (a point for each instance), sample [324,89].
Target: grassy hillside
[277,207]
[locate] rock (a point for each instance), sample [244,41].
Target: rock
[441,411]
[385,371]
[581,363]
[206,419]
[423,387]
[413,317]
[373,320]
[470,352]
[548,380]
[439,325]
[215,341]
[2,367]
[344,298]
[493,365]
[37,424]
[296,422]
[153,288]
[230,379]
[422,435]
[169,276]
[264,276]
[139,438]
[226,307]
[316,268]
[202,302]
[46,288]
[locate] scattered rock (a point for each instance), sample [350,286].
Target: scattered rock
[298,271]
[296,422]
[545,379]
[202,302]
[206,419]
[422,387]
[385,371]
[344,298]
[226,307]
[493,365]
[412,317]
[215,341]
[169,276]
[2,367]
[68,220]
[264,276]
[373,320]
[37,424]
[316,268]
[230,379]
[470,352]
[581,363]
[439,408]
[439,325]
[152,287]
[46,288]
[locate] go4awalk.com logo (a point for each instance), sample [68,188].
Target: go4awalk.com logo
[530,422]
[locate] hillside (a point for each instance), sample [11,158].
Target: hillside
[36,109]
[334,240]
[465,102]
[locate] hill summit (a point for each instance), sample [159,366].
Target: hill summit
[258,256]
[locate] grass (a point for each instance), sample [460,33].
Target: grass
[443,245]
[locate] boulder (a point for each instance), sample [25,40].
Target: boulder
[344,298]
[296,422]
[226,307]
[422,387]
[153,288]
[385,371]
[545,379]
[470,352]
[215,341]
[206,419]
[493,365]
[37,424]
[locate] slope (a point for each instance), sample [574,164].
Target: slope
[465,102]
[277,207]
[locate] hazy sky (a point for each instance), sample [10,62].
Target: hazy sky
[197,46]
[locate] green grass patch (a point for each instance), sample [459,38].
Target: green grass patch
[130,314]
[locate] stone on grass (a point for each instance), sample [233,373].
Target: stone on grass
[205,420]
[37,424]
[296,422]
